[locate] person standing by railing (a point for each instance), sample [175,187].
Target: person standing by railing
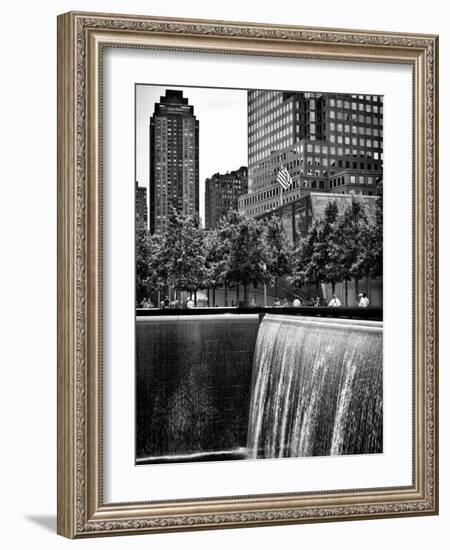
[334,302]
[363,300]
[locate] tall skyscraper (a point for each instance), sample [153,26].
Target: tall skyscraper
[221,194]
[328,142]
[141,203]
[174,159]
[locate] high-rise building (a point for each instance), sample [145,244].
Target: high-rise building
[141,203]
[328,142]
[221,194]
[174,159]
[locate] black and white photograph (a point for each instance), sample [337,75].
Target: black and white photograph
[259,274]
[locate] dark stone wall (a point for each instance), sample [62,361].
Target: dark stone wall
[193,378]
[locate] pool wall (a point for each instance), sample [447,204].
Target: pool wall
[193,386]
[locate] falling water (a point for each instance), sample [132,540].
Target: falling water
[317,388]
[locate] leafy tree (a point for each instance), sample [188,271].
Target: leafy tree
[304,271]
[329,242]
[142,260]
[340,247]
[248,251]
[316,258]
[149,273]
[353,230]
[183,253]
[372,252]
[216,258]
[279,249]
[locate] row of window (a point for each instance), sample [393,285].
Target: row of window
[335,102]
[256,157]
[258,197]
[361,153]
[176,122]
[261,209]
[343,115]
[163,162]
[273,139]
[353,179]
[269,124]
[333,138]
[259,100]
[366,107]
[266,102]
[259,142]
[276,120]
[361,130]
[220,192]
[297,184]
[274,133]
[321,162]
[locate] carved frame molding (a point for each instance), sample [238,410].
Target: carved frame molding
[81,37]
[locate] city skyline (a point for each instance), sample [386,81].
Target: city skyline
[329,142]
[222,114]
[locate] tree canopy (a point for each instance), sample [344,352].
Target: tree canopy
[248,251]
[279,249]
[245,251]
[182,253]
[341,246]
[352,229]
[150,271]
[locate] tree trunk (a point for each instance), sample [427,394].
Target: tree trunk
[226,295]
[195,298]
[237,295]
[214,296]
[275,286]
[333,287]
[209,303]
[346,292]
[245,295]
[356,288]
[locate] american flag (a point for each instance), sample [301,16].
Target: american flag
[284,179]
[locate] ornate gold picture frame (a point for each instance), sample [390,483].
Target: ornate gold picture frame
[82,39]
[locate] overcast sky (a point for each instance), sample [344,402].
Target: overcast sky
[222,116]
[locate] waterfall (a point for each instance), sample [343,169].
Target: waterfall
[317,388]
